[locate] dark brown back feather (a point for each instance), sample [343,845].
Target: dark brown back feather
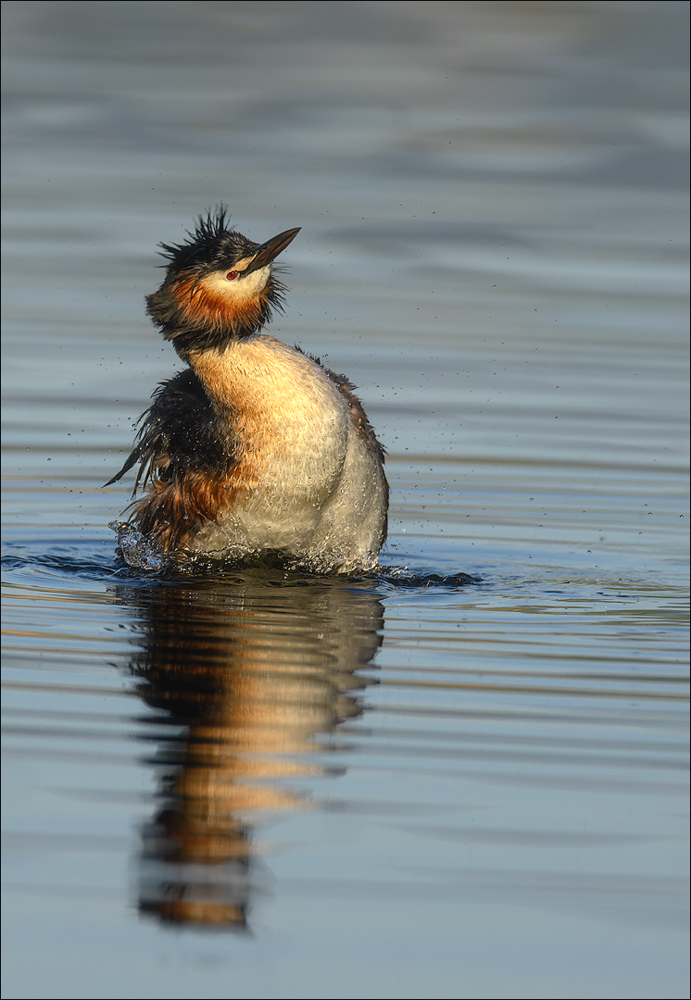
[183,448]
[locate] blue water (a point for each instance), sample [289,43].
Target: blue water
[464,775]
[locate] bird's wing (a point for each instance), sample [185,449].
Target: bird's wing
[179,432]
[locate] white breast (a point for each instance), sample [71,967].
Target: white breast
[319,492]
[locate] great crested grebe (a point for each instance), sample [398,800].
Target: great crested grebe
[255,452]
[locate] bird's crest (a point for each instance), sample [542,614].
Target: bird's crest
[212,244]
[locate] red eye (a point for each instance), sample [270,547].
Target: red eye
[231,275]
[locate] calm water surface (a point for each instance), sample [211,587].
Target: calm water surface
[409,785]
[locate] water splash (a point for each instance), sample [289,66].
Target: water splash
[138,552]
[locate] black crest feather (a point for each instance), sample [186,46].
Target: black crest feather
[212,244]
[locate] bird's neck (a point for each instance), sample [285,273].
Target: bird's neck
[264,386]
[197,318]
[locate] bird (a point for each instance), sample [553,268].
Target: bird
[254,453]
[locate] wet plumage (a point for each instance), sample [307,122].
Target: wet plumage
[255,452]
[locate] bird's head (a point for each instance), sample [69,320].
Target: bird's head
[218,287]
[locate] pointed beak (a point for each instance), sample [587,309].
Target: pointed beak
[270,250]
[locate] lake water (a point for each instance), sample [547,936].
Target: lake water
[274,785]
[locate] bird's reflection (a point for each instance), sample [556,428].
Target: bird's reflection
[245,673]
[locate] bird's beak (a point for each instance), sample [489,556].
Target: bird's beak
[271,249]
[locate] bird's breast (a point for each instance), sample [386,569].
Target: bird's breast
[287,417]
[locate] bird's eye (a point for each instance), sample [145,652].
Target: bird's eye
[231,275]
